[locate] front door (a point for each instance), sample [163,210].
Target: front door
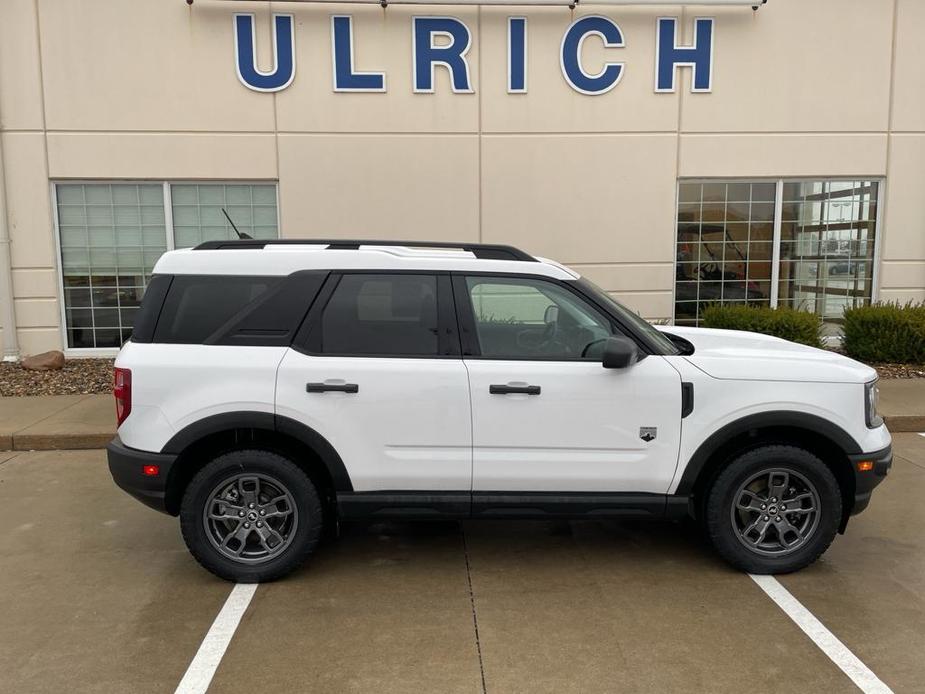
[546,416]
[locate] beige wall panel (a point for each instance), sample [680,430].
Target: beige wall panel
[35,284]
[404,187]
[796,65]
[900,275]
[904,219]
[550,103]
[782,155]
[902,296]
[149,65]
[37,313]
[909,68]
[28,201]
[627,278]
[20,78]
[584,198]
[382,43]
[650,305]
[155,156]
[36,341]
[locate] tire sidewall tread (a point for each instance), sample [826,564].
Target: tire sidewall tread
[304,494]
[720,497]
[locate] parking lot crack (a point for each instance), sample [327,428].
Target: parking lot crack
[475,618]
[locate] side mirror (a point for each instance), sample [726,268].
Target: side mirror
[619,353]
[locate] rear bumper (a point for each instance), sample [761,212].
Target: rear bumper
[866,482]
[126,466]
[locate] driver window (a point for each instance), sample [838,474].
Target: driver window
[524,318]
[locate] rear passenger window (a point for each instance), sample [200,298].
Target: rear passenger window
[382,315]
[198,305]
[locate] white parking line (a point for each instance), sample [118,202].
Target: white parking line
[199,674]
[827,642]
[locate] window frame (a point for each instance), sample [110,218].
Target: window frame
[468,330]
[780,182]
[308,336]
[168,229]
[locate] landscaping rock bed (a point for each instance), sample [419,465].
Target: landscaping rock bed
[78,377]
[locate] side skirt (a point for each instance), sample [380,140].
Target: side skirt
[426,505]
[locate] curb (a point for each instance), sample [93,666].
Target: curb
[55,442]
[905,423]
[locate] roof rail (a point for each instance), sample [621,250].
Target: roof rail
[483,251]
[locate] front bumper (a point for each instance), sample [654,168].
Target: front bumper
[865,482]
[126,466]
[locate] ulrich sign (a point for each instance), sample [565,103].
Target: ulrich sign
[455,38]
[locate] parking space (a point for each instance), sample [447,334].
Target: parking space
[98,593]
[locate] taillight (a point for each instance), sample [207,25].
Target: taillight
[122,389]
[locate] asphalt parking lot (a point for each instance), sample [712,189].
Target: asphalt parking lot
[98,594]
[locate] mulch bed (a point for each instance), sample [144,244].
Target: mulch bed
[900,370]
[78,377]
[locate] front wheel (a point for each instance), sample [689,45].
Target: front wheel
[775,509]
[251,516]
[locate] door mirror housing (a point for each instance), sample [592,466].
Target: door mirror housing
[619,353]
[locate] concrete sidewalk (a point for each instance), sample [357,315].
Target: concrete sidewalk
[89,421]
[51,422]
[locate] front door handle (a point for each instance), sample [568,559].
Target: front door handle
[499,389]
[332,388]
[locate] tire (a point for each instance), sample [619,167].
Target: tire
[745,501]
[218,521]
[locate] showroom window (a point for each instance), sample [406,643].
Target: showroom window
[111,235]
[808,244]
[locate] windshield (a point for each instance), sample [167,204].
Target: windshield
[654,336]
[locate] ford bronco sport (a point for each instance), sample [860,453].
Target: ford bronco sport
[274,388]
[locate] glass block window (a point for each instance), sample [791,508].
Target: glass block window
[198,217]
[725,246]
[826,232]
[112,234]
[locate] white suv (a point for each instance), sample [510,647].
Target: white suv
[274,388]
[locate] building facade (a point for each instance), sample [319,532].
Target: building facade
[678,155]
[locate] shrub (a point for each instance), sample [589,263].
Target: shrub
[785,322]
[887,332]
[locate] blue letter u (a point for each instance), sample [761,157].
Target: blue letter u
[245,49]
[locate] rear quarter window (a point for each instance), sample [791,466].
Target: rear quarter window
[197,306]
[151,303]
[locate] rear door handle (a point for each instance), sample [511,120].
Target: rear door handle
[332,388]
[500,389]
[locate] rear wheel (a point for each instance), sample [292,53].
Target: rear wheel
[774,509]
[251,516]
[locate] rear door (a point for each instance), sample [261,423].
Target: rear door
[547,417]
[377,372]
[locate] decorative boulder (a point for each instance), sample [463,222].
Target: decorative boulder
[46,361]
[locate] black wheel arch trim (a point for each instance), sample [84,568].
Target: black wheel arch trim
[265,421]
[763,420]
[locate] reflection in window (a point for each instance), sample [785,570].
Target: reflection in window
[827,246]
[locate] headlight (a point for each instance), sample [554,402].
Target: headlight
[871,402]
